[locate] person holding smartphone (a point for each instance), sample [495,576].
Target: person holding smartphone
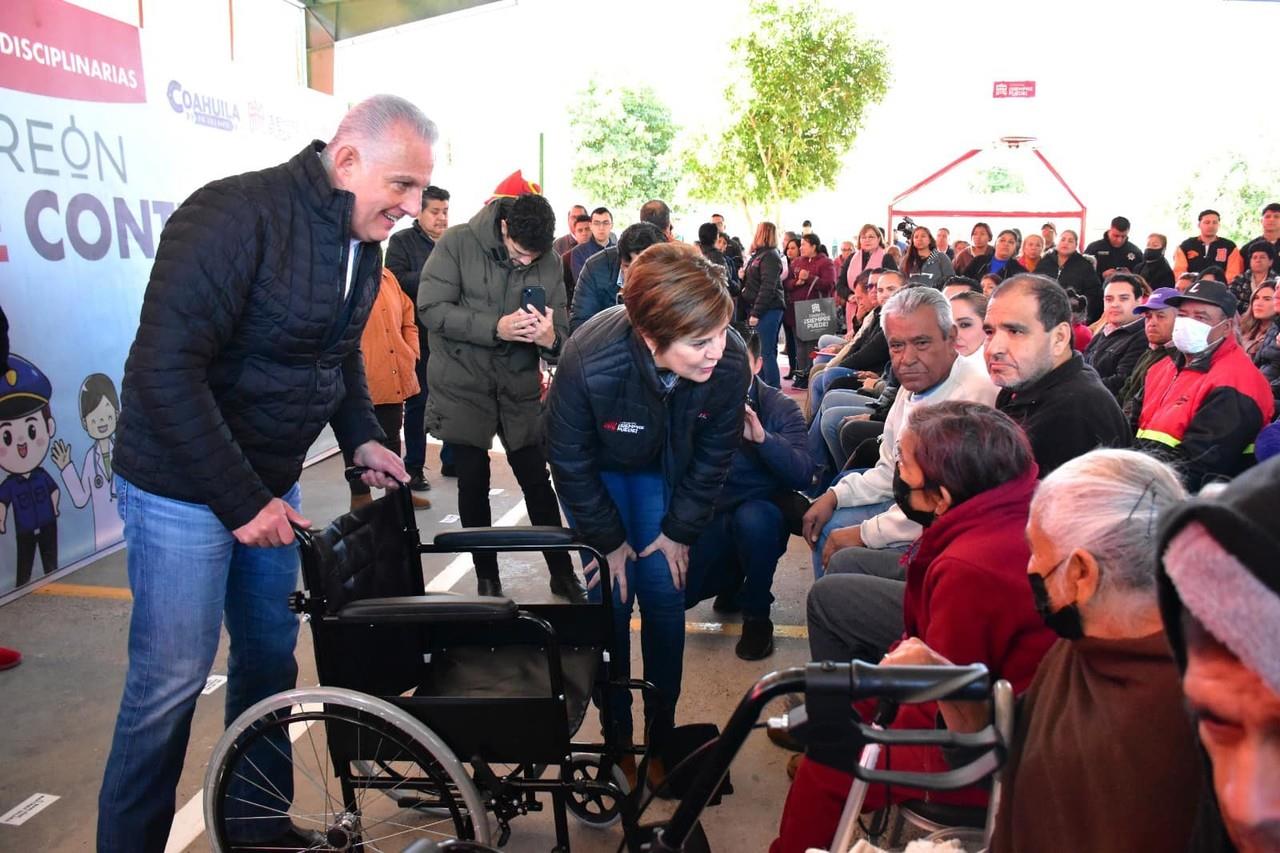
[492,299]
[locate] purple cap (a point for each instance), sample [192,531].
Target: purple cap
[1159,299]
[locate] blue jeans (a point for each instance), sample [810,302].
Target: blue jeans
[845,517]
[819,383]
[823,441]
[837,405]
[740,547]
[767,329]
[188,573]
[641,499]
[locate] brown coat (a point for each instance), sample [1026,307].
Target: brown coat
[1104,757]
[390,344]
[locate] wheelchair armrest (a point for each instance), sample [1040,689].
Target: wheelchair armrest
[439,607]
[506,537]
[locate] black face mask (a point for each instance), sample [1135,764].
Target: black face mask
[902,497]
[1152,254]
[1065,622]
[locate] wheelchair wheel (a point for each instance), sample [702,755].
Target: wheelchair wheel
[590,807]
[335,763]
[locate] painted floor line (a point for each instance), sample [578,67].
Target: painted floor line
[84,590]
[188,823]
[461,565]
[734,629]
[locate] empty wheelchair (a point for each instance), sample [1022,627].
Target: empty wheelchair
[439,716]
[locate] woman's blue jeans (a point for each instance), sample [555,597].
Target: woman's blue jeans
[188,574]
[641,499]
[767,328]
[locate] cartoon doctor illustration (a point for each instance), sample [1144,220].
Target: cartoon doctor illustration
[95,481]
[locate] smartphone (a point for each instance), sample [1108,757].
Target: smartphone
[536,297]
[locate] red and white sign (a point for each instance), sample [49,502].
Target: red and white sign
[1013,89]
[50,47]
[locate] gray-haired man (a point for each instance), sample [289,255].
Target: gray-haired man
[248,344]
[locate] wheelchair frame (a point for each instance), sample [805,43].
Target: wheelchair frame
[471,728]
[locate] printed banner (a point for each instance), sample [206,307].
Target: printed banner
[103,133]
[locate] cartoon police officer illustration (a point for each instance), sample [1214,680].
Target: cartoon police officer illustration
[28,494]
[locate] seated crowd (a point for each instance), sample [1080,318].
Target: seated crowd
[987,445]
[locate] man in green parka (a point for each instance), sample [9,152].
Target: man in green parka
[477,301]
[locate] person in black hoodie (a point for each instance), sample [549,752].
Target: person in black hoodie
[248,344]
[738,552]
[642,423]
[1219,586]
[1044,384]
[1074,272]
[1115,349]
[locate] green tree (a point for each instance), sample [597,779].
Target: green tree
[806,81]
[1235,185]
[622,146]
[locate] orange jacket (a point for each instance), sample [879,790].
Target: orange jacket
[390,344]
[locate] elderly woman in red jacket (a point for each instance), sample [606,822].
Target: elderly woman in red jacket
[967,474]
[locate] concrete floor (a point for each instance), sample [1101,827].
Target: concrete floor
[59,706]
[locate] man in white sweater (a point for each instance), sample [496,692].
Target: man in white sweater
[858,510]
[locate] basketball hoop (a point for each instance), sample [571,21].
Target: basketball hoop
[1016,141]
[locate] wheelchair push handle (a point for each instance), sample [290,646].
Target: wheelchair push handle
[908,685]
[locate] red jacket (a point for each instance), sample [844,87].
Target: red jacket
[820,283]
[1202,414]
[968,598]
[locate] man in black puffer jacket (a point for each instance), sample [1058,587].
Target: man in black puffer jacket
[248,345]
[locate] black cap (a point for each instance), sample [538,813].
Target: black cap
[1209,292]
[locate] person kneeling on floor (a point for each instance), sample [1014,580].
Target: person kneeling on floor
[735,557]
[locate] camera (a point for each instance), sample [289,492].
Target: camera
[905,227]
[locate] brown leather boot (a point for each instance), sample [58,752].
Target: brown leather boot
[420,501]
[358,501]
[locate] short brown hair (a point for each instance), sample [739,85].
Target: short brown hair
[673,292]
[766,237]
[968,447]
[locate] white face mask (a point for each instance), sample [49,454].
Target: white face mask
[1191,336]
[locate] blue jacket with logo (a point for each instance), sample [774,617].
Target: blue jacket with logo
[608,411]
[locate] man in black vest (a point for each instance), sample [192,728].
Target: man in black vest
[248,344]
